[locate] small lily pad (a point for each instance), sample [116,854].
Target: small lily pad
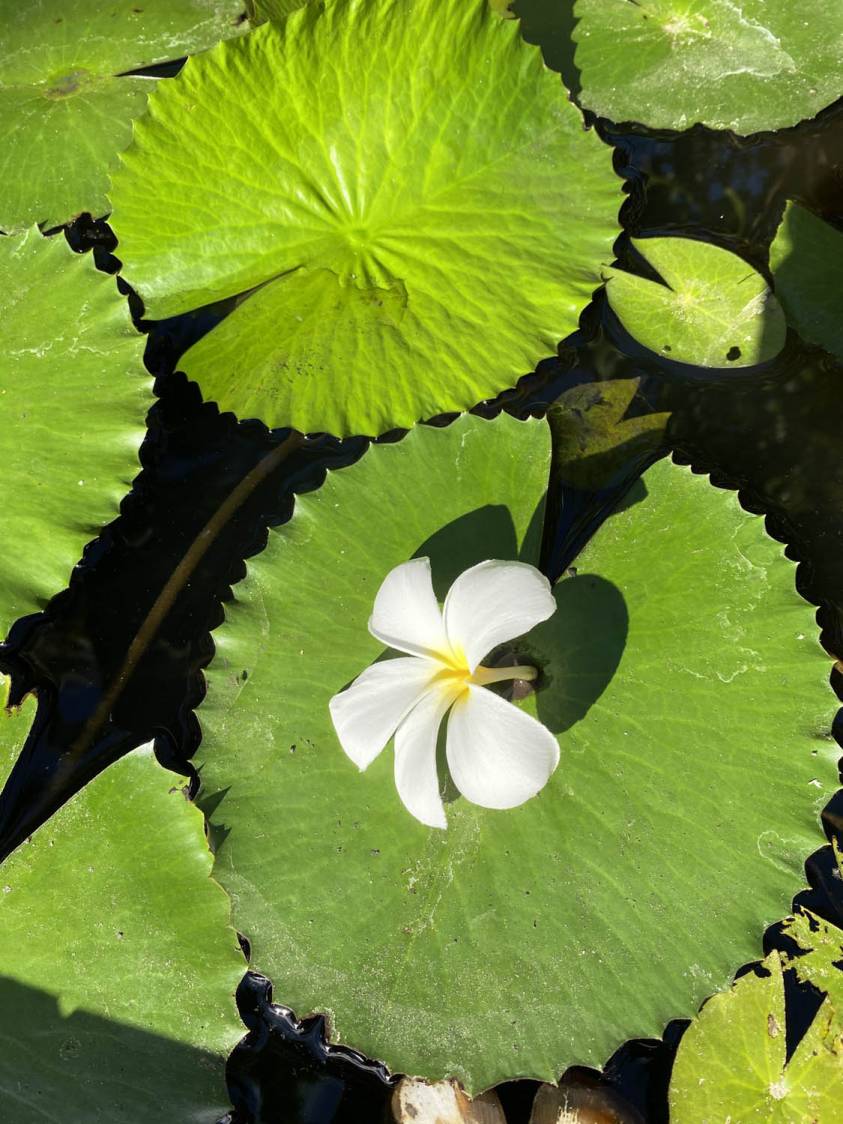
[404,237]
[67,101]
[713,309]
[806,259]
[748,66]
[732,1062]
[118,964]
[73,402]
[518,942]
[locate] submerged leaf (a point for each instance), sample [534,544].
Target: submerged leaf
[406,237]
[713,309]
[67,101]
[118,964]
[520,941]
[732,1062]
[592,439]
[747,66]
[72,406]
[806,259]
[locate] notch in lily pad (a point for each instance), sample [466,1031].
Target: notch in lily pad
[710,308]
[420,251]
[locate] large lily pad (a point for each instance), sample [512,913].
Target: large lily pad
[66,102]
[407,236]
[684,679]
[748,66]
[806,259]
[118,964]
[73,398]
[732,1063]
[713,310]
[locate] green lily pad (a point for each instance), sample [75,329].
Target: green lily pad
[713,310]
[805,259]
[732,1064]
[748,66]
[683,677]
[406,237]
[66,103]
[73,398]
[118,964]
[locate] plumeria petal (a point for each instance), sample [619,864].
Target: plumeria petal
[416,777]
[406,615]
[493,602]
[367,714]
[499,756]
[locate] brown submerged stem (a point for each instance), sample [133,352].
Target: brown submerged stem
[175,584]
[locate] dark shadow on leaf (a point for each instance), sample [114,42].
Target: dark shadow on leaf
[532,545]
[578,649]
[486,532]
[84,1067]
[549,24]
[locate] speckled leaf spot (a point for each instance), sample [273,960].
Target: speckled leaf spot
[744,65]
[405,238]
[682,676]
[67,100]
[72,411]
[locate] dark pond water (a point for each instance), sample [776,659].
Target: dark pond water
[775,433]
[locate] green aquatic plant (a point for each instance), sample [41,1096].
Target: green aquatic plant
[362,214]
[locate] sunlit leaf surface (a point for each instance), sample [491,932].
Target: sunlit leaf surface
[117,962]
[408,236]
[65,112]
[73,399]
[745,65]
[732,1063]
[713,310]
[683,677]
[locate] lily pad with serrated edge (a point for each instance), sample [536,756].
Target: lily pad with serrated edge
[118,964]
[408,237]
[713,310]
[732,1063]
[66,101]
[806,259]
[73,400]
[749,66]
[684,679]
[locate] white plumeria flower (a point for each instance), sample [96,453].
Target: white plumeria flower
[498,755]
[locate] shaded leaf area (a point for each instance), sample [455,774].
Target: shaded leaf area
[749,67]
[73,405]
[806,260]
[709,307]
[117,958]
[774,435]
[397,251]
[66,99]
[733,1063]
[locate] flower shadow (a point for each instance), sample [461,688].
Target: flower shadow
[578,650]
[485,532]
